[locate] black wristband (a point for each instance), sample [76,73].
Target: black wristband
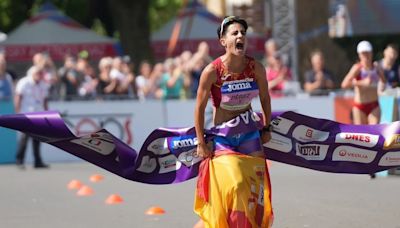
[267,128]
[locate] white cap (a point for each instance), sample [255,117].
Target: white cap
[364,46]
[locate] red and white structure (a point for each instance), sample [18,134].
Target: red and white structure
[197,24]
[53,32]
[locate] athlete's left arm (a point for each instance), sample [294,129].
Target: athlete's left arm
[265,99]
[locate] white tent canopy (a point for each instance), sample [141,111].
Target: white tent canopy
[3,36]
[52,31]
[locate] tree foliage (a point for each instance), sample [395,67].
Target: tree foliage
[161,11]
[130,21]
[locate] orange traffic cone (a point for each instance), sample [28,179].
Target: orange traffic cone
[74,184]
[96,178]
[155,211]
[85,191]
[114,199]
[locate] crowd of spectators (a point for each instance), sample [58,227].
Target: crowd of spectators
[175,78]
[114,77]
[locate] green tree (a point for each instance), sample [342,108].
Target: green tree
[13,13]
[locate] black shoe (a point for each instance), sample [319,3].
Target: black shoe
[20,165]
[41,166]
[372,176]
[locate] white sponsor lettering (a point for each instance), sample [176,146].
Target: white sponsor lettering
[147,164]
[307,134]
[100,142]
[159,146]
[282,125]
[169,163]
[260,199]
[184,143]
[239,86]
[236,81]
[390,159]
[279,143]
[353,154]
[255,117]
[359,139]
[242,117]
[189,158]
[314,152]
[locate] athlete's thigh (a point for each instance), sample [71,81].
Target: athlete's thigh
[359,116]
[375,116]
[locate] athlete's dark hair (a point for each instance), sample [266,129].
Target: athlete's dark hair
[230,20]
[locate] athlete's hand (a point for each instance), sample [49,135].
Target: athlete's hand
[203,151]
[368,80]
[265,137]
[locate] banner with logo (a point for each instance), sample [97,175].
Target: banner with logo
[168,155]
[333,147]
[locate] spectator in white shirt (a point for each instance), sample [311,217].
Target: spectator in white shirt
[116,75]
[143,82]
[31,96]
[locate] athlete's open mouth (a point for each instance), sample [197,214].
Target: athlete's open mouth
[239,46]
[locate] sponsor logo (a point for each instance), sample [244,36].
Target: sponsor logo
[281,125]
[390,159]
[118,124]
[168,164]
[353,154]
[181,143]
[95,142]
[238,86]
[392,143]
[189,158]
[147,164]
[159,146]
[307,134]
[100,142]
[226,76]
[312,151]
[279,143]
[359,139]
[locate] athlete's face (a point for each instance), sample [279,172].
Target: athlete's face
[365,56]
[235,40]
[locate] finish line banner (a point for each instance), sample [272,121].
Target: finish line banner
[169,155]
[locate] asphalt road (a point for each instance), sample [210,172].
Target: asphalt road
[301,198]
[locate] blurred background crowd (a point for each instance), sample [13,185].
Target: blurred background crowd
[303,53]
[79,78]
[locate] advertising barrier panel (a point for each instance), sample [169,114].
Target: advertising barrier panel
[132,121]
[8,138]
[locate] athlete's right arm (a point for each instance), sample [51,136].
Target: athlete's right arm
[207,78]
[348,79]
